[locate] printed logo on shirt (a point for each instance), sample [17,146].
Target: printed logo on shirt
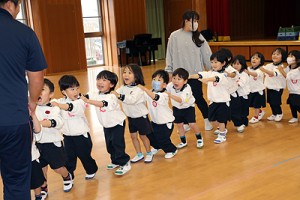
[215,84]
[294,81]
[154,103]
[255,78]
[47,112]
[102,109]
[70,114]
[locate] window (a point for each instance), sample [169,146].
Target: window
[92,23]
[22,17]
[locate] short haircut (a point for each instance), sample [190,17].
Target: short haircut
[49,84]
[282,52]
[67,81]
[220,56]
[261,56]
[228,54]
[161,73]
[242,61]
[137,71]
[110,76]
[182,73]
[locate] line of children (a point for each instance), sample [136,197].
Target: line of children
[77,140]
[112,119]
[161,115]
[183,103]
[217,93]
[49,139]
[134,106]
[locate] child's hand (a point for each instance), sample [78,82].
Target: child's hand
[54,103]
[246,71]
[84,98]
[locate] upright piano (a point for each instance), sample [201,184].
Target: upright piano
[142,46]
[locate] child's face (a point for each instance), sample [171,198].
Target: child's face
[72,93]
[237,65]
[276,57]
[178,82]
[128,76]
[162,83]
[255,61]
[104,85]
[216,65]
[45,96]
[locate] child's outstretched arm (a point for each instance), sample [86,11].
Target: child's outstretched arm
[63,106]
[269,72]
[254,74]
[36,123]
[281,70]
[94,102]
[151,94]
[175,98]
[194,76]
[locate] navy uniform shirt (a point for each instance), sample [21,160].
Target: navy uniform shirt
[20,51]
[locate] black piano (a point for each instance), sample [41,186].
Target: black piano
[142,46]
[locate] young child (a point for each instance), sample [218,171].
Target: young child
[161,115]
[293,83]
[182,100]
[257,97]
[37,176]
[235,104]
[49,140]
[77,140]
[239,63]
[112,119]
[275,83]
[134,106]
[217,93]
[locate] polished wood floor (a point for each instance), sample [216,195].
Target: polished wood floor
[262,163]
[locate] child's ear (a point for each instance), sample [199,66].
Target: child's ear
[164,85]
[64,92]
[185,81]
[111,85]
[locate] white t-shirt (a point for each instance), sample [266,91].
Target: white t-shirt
[185,94]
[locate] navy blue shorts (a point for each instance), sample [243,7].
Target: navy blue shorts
[141,125]
[186,115]
[219,112]
[52,155]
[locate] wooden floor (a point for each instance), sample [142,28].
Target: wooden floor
[262,163]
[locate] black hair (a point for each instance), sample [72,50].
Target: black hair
[190,14]
[49,84]
[138,74]
[242,61]
[228,54]
[221,57]
[110,76]
[67,81]
[296,54]
[2,2]
[282,52]
[261,56]
[182,73]
[163,74]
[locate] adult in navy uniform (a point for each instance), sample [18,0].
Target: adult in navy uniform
[20,53]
